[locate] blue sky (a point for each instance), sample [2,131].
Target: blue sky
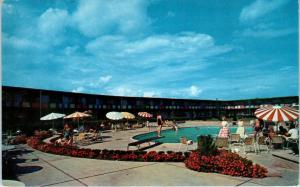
[157,48]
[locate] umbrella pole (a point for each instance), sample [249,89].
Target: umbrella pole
[78,123]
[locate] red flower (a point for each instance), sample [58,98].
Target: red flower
[226,163]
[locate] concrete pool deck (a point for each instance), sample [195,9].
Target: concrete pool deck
[120,139]
[35,168]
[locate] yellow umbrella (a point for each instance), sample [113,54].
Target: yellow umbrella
[77,115]
[128,115]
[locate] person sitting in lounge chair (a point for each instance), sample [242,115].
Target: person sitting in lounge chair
[271,133]
[224,131]
[282,131]
[293,133]
[241,129]
[61,141]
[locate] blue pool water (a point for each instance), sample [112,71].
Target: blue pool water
[171,136]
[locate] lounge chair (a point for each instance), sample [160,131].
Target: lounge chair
[262,141]
[184,141]
[235,138]
[292,141]
[82,139]
[222,143]
[241,131]
[249,142]
[277,140]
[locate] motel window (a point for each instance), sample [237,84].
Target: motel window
[83,101]
[45,99]
[99,102]
[18,100]
[66,100]
[124,102]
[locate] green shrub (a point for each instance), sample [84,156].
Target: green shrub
[206,145]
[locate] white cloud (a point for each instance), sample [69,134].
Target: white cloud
[260,8]
[167,58]
[71,50]
[123,91]
[97,17]
[78,89]
[132,90]
[21,43]
[267,33]
[194,91]
[157,48]
[53,21]
[7,8]
[170,14]
[105,79]
[150,94]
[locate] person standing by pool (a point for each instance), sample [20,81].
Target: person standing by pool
[257,128]
[160,123]
[174,126]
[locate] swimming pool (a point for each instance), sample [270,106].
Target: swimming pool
[171,136]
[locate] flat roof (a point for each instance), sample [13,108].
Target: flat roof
[80,93]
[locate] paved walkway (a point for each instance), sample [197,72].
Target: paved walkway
[36,168]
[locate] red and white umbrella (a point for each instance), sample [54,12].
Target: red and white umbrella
[277,113]
[145,115]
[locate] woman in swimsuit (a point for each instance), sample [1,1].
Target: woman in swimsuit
[159,124]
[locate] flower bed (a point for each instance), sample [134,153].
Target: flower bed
[152,156]
[20,139]
[225,162]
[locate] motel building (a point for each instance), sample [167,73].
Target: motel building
[22,108]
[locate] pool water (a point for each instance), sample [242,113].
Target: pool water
[171,136]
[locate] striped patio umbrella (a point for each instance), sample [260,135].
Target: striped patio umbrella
[77,115]
[277,113]
[128,115]
[145,115]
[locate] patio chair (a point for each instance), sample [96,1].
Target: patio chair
[184,141]
[262,141]
[249,142]
[82,139]
[277,140]
[222,143]
[235,138]
[96,137]
[292,141]
[241,131]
